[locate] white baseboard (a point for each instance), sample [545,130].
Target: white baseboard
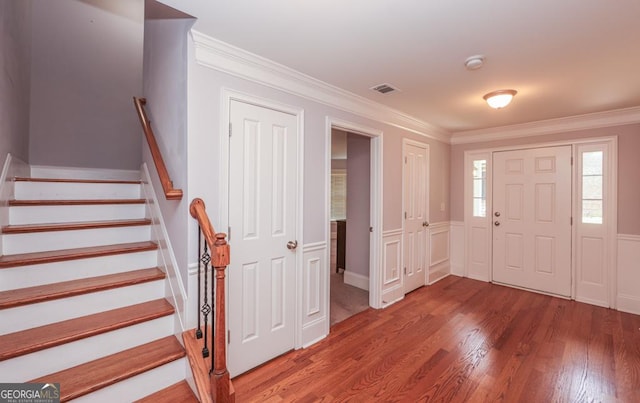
[356,280]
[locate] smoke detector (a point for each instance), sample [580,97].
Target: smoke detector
[474,62]
[384,88]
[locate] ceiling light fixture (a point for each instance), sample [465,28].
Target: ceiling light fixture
[499,99]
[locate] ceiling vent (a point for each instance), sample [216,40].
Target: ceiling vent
[384,88]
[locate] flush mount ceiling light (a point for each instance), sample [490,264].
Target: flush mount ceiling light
[499,99]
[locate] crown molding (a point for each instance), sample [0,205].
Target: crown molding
[221,56]
[596,120]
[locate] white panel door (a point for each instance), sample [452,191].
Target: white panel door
[416,218]
[532,219]
[262,217]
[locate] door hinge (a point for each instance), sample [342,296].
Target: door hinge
[230,129]
[405,215]
[571,220]
[228,233]
[228,336]
[571,160]
[405,271]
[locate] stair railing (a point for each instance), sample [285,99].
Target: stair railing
[170,193]
[213,251]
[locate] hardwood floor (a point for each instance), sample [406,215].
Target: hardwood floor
[463,340]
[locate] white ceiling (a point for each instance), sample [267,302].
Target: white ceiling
[565,58]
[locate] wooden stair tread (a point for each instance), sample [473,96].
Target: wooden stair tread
[30,228]
[73,202]
[22,259]
[65,180]
[55,334]
[94,375]
[177,393]
[47,292]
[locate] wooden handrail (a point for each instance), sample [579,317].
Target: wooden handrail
[167,185]
[221,388]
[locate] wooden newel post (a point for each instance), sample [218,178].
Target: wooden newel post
[220,381]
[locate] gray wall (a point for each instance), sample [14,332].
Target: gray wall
[628,170]
[358,203]
[165,87]
[15,59]
[205,86]
[87,66]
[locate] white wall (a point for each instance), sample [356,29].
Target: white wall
[87,66]
[165,88]
[15,56]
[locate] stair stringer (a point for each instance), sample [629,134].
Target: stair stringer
[12,168]
[167,262]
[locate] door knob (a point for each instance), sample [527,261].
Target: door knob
[497,223]
[425,223]
[292,245]
[497,214]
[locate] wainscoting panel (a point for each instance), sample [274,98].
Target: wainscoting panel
[315,302]
[457,248]
[628,297]
[439,247]
[392,287]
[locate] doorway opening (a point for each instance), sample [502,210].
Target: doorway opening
[350,223]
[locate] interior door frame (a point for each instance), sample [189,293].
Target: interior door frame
[375,207]
[227,97]
[611,210]
[427,258]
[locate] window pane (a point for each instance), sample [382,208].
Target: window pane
[592,211]
[479,169]
[592,187]
[592,163]
[479,207]
[478,188]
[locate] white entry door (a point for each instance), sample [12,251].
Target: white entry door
[415,188]
[532,219]
[262,216]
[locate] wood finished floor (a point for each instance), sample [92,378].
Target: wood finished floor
[462,340]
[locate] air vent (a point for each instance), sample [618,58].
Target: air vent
[384,88]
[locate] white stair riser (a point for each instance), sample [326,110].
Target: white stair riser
[71,191]
[48,273]
[57,240]
[40,171]
[22,215]
[44,313]
[54,359]
[139,386]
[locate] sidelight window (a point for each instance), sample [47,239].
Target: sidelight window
[480,188]
[592,187]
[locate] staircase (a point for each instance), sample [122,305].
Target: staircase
[82,300]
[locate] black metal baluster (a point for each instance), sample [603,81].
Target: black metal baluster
[199,330]
[213,318]
[206,308]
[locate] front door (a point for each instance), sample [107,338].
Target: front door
[416,160]
[262,218]
[532,219]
